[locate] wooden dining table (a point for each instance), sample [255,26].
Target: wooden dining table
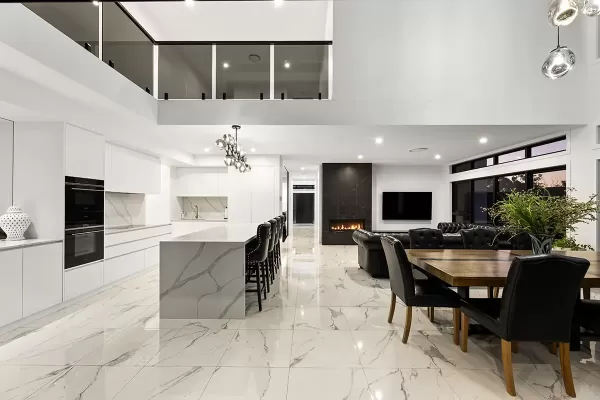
[464,269]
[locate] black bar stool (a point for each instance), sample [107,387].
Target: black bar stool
[256,255]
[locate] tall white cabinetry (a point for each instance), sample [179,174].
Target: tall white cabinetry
[201,182]
[254,196]
[84,151]
[129,171]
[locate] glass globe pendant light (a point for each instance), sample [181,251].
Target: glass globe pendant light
[559,62]
[234,153]
[562,12]
[591,8]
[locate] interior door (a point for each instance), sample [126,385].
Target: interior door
[304,208]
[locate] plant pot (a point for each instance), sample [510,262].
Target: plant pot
[541,244]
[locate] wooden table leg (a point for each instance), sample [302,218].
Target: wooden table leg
[587,293]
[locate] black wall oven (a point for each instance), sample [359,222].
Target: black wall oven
[84,221]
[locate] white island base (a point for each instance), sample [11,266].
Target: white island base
[202,274]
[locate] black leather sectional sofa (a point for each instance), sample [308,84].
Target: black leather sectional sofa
[370,252]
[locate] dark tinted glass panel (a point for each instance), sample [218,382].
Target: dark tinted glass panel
[483,197]
[185,71]
[461,202]
[466,166]
[549,148]
[301,71]
[555,182]
[483,162]
[79,21]
[126,47]
[243,71]
[513,156]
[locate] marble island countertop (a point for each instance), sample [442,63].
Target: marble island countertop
[19,244]
[200,220]
[228,233]
[127,228]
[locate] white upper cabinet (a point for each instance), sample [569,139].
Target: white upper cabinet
[201,182]
[128,171]
[84,153]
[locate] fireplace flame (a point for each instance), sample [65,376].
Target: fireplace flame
[348,227]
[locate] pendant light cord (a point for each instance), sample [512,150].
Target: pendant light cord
[558,37]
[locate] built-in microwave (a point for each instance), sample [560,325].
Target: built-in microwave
[84,221]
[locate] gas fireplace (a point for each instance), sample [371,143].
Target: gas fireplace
[338,225]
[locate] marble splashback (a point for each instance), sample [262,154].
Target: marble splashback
[121,209]
[209,208]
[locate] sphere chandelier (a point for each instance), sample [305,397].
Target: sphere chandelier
[234,153]
[559,62]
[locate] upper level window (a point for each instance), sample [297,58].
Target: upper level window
[512,156]
[549,148]
[483,162]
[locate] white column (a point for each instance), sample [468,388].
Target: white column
[272,72]
[330,72]
[100,31]
[155,71]
[214,72]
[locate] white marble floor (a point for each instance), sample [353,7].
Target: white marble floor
[322,335]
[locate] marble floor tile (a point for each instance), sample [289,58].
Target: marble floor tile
[320,318]
[247,384]
[372,318]
[194,347]
[445,354]
[87,383]
[273,318]
[167,383]
[550,384]
[323,349]
[259,348]
[20,382]
[384,349]
[328,384]
[481,384]
[409,384]
[131,346]
[208,324]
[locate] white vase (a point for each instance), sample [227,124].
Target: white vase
[14,223]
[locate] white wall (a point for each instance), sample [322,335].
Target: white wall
[39,177]
[158,206]
[397,178]
[235,20]
[6,164]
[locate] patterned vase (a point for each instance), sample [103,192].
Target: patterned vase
[541,244]
[14,223]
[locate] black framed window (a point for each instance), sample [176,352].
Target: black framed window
[483,197]
[461,201]
[534,150]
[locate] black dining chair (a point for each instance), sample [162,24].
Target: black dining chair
[479,239]
[256,267]
[412,292]
[587,315]
[425,238]
[271,256]
[537,305]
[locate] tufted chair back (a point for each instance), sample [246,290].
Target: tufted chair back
[263,240]
[402,280]
[425,238]
[479,239]
[274,234]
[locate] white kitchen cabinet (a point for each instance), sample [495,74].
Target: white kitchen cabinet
[84,279]
[129,171]
[201,182]
[152,257]
[84,153]
[123,266]
[42,277]
[11,286]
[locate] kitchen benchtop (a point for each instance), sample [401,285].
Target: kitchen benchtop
[228,233]
[129,228]
[199,220]
[19,244]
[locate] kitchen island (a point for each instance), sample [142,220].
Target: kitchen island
[202,274]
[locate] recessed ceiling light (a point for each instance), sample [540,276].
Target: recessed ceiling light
[287,64]
[379,140]
[360,156]
[483,140]
[96,3]
[189,3]
[418,149]
[254,58]
[225,65]
[278,3]
[207,149]
[253,150]
[302,168]
[437,157]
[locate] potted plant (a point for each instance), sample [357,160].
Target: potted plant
[542,216]
[569,243]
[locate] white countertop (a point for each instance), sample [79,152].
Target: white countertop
[129,228]
[228,233]
[199,220]
[18,244]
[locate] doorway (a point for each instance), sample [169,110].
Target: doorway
[304,208]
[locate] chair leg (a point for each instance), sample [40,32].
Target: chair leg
[464,332]
[587,293]
[508,368]
[514,347]
[496,292]
[432,314]
[552,347]
[258,290]
[565,367]
[392,308]
[456,313]
[490,292]
[409,312]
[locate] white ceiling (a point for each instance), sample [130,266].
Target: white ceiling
[309,146]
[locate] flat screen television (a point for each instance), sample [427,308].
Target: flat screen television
[406,206]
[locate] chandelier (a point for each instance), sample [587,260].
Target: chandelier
[234,153]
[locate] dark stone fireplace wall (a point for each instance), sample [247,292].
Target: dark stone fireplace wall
[346,194]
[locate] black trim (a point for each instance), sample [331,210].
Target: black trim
[140,27]
[245,43]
